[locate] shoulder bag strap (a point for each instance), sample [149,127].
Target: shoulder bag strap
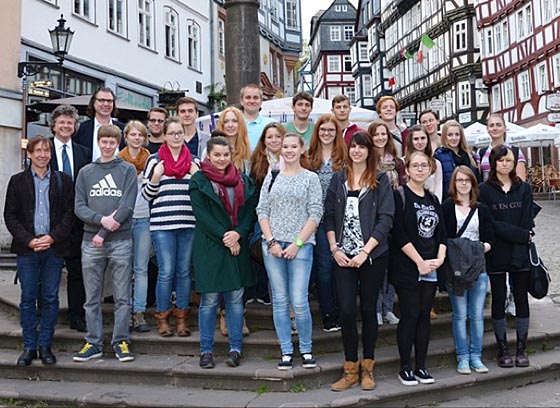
[466,223]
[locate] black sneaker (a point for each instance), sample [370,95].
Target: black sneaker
[233,359]
[287,362]
[406,377]
[265,300]
[423,375]
[206,361]
[330,324]
[307,361]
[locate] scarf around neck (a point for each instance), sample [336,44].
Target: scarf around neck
[230,178]
[175,168]
[139,162]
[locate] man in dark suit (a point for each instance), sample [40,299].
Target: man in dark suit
[102,109]
[69,157]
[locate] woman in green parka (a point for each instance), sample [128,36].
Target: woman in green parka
[223,201]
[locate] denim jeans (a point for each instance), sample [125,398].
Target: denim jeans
[323,273]
[173,251]
[386,297]
[116,257]
[471,306]
[44,267]
[289,282]
[142,243]
[234,319]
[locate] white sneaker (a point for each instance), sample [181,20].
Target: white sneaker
[391,318]
[379,319]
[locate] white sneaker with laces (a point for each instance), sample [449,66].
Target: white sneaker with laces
[391,318]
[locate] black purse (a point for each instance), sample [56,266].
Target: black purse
[540,278]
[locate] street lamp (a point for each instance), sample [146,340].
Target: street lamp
[61,38]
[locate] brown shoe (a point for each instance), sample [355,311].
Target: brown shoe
[162,319]
[223,326]
[349,377]
[182,321]
[368,383]
[433,314]
[245,331]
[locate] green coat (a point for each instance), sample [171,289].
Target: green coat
[216,270]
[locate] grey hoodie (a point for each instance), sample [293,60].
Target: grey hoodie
[101,188]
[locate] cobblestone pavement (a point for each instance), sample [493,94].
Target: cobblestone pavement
[547,239]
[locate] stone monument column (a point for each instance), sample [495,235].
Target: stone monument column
[242,46]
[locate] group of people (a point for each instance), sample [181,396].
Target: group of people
[362,213]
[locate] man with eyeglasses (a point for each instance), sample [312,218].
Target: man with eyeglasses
[156,119]
[195,139]
[102,110]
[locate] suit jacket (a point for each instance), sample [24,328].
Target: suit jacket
[19,211]
[84,135]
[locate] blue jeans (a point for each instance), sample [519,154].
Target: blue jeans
[323,273]
[471,306]
[116,256]
[289,282]
[173,251]
[386,296]
[44,267]
[142,243]
[234,319]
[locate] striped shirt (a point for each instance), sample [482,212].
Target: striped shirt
[170,201]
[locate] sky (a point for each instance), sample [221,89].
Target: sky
[308,10]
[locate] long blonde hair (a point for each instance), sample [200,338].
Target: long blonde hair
[241,147]
[462,142]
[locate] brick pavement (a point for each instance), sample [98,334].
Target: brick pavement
[547,239]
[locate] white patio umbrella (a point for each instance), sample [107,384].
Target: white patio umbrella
[540,136]
[477,130]
[557,142]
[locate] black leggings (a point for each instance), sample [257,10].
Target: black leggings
[519,286]
[368,279]
[414,326]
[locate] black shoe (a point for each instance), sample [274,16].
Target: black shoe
[206,361]
[406,377]
[233,359]
[424,376]
[78,325]
[26,358]
[286,362]
[265,300]
[308,361]
[329,324]
[46,355]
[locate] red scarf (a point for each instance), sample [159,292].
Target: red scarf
[230,178]
[175,168]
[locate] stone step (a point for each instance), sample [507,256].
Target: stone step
[258,370]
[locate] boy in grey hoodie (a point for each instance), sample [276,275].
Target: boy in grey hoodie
[105,197]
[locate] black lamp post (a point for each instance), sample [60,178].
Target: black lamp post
[61,38]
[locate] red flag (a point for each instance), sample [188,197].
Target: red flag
[392,82]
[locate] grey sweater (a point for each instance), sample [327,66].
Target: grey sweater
[292,201]
[102,188]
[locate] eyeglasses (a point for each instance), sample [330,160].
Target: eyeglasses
[422,166]
[323,130]
[101,100]
[176,134]
[463,181]
[156,120]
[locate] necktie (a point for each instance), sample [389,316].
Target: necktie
[66,168]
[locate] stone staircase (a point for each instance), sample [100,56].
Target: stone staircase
[167,368]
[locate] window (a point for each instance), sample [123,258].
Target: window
[221,36]
[505,35]
[489,42]
[85,9]
[547,11]
[333,63]
[496,100]
[464,95]
[556,69]
[117,15]
[335,33]
[193,41]
[171,33]
[498,37]
[344,8]
[541,78]
[368,88]
[508,93]
[461,36]
[145,25]
[524,86]
[291,14]
[347,63]
[524,22]
[348,33]
[337,8]
[350,92]
[363,52]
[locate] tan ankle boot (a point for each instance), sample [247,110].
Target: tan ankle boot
[245,331]
[368,383]
[162,319]
[182,322]
[349,377]
[223,326]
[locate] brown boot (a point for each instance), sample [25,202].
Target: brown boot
[245,331]
[368,383]
[162,319]
[223,325]
[349,377]
[182,321]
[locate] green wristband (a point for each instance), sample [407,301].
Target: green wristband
[299,242]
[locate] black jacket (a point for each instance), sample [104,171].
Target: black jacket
[19,211]
[376,208]
[84,135]
[512,214]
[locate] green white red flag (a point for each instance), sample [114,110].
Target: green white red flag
[426,44]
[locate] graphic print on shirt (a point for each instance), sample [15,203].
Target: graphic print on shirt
[352,240]
[427,220]
[106,187]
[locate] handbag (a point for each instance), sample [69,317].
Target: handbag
[540,278]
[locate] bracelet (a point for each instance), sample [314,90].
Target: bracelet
[271,242]
[299,242]
[364,251]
